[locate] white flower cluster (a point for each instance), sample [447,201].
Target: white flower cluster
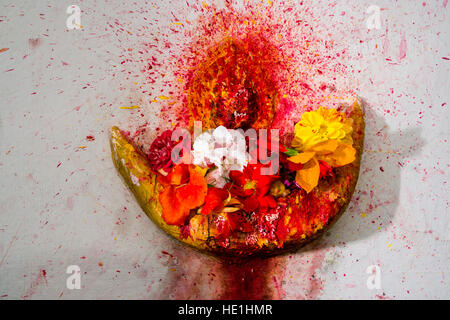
[225,149]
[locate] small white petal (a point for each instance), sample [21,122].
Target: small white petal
[222,136]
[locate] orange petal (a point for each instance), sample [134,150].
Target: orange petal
[308,177]
[193,194]
[343,155]
[174,212]
[196,177]
[178,175]
[302,158]
[326,147]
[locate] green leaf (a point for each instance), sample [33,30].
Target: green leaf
[291,152]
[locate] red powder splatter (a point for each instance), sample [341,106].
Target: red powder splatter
[382,297]
[166,253]
[302,61]
[40,279]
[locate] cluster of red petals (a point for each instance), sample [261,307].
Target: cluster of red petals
[159,155]
[252,188]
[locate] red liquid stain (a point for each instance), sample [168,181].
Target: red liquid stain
[256,279]
[192,275]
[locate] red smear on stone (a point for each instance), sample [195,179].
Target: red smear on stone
[255,279]
[168,254]
[196,276]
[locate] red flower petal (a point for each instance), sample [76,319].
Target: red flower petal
[251,204]
[267,202]
[325,169]
[214,200]
[238,177]
[294,166]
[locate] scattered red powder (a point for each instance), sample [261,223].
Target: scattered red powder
[40,279]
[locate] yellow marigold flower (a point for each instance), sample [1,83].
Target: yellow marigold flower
[322,135]
[320,126]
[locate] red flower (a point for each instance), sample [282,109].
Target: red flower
[251,187]
[159,155]
[214,200]
[264,151]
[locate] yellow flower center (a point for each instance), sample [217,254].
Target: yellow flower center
[250,185]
